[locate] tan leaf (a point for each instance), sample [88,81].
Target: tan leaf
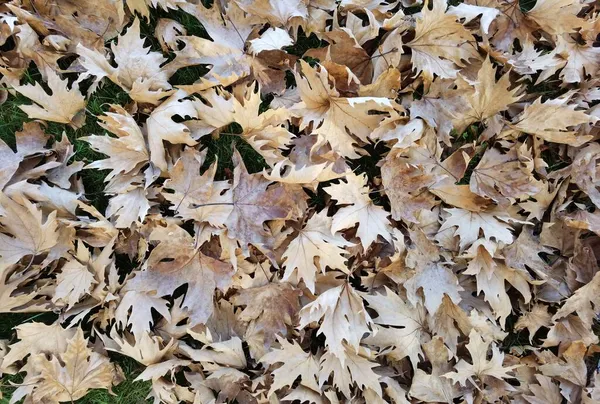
[481,367]
[271,318]
[254,203]
[344,318]
[434,387]
[372,219]
[63,105]
[550,121]
[125,152]
[79,370]
[313,249]
[29,233]
[295,363]
[335,116]
[440,43]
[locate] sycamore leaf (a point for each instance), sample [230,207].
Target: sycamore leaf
[371,219]
[470,12]
[38,338]
[31,140]
[135,309]
[556,16]
[546,392]
[228,353]
[254,203]
[534,319]
[481,367]
[63,105]
[351,368]
[395,312]
[572,367]
[175,262]
[585,301]
[344,318]
[74,281]
[161,127]
[196,196]
[313,249]
[550,121]
[278,311]
[434,387]
[490,97]
[138,69]
[79,370]
[295,363]
[337,117]
[272,39]
[469,224]
[125,152]
[440,43]
[503,176]
[263,131]
[435,280]
[29,233]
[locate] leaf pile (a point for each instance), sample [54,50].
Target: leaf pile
[424,227]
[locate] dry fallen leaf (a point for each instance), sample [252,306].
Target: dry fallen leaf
[300,200]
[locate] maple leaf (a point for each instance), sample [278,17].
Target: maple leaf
[335,116]
[79,370]
[28,232]
[314,248]
[295,363]
[440,43]
[63,105]
[372,219]
[482,368]
[344,318]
